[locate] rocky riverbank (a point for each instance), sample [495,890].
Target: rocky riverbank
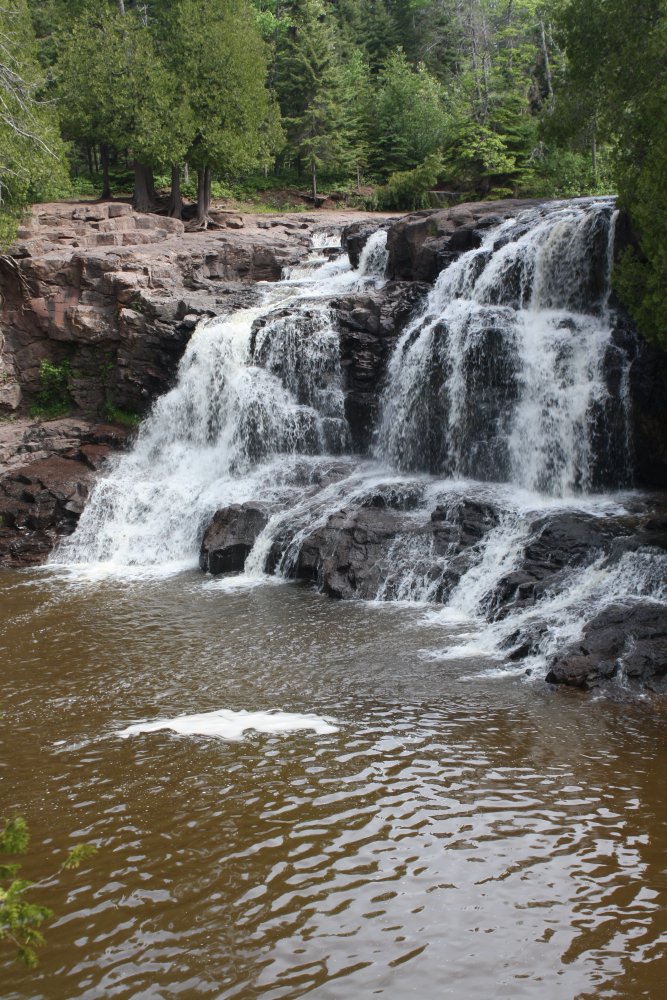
[359,550]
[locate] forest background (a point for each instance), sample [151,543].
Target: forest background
[388,103]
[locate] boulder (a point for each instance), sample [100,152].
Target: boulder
[49,470]
[626,642]
[422,244]
[230,536]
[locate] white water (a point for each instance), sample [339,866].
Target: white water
[228,725]
[501,376]
[233,426]
[496,392]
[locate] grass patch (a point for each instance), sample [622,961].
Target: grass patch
[116,415]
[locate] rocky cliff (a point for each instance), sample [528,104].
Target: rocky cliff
[116,295]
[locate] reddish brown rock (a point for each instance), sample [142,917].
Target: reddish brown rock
[48,470]
[117,295]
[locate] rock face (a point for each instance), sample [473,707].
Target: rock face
[369,327]
[230,536]
[626,642]
[117,296]
[50,470]
[422,244]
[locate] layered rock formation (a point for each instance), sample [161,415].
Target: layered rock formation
[117,295]
[49,470]
[390,543]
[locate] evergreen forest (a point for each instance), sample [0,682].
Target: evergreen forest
[390,104]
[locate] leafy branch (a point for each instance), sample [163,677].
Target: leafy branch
[20,919]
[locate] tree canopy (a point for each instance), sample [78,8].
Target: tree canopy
[32,157]
[478,98]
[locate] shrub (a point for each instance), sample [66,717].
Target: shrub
[409,189]
[53,399]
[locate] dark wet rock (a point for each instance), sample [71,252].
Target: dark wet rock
[424,243]
[348,556]
[371,546]
[392,496]
[38,504]
[557,543]
[648,398]
[230,536]
[626,642]
[355,237]
[370,324]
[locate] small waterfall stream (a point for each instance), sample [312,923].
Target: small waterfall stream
[498,413]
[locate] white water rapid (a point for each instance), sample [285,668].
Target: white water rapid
[505,406]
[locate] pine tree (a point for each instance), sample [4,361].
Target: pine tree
[309,84]
[410,121]
[118,94]
[222,62]
[31,152]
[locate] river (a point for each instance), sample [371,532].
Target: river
[462,833]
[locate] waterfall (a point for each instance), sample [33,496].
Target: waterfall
[501,378]
[255,391]
[500,425]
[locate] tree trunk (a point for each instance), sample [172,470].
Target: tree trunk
[202,220]
[175,209]
[547,67]
[143,199]
[150,184]
[186,173]
[594,156]
[106,183]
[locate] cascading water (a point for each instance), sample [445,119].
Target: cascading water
[498,417]
[254,391]
[501,378]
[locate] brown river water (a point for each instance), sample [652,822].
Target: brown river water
[461,834]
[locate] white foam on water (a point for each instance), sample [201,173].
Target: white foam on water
[241,583]
[226,724]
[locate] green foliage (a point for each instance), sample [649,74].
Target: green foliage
[409,118]
[408,189]
[221,61]
[53,399]
[20,919]
[476,157]
[31,151]
[604,38]
[116,415]
[309,84]
[567,173]
[116,90]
